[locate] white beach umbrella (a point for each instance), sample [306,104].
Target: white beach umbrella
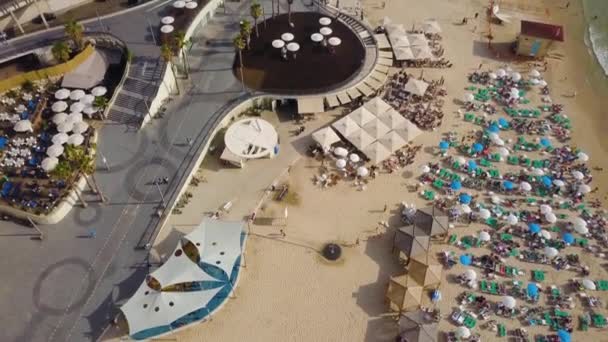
[76,139]
[287,36]
[584,189]
[59,106]
[512,219]
[534,73]
[425,168]
[54,151]
[468,97]
[550,217]
[354,158]
[324,21]
[75,117]
[484,213]
[525,186]
[463,332]
[465,208]
[168,20]
[501,73]
[23,126]
[316,37]
[62,94]
[470,274]
[77,94]
[59,138]
[502,151]
[278,43]
[509,302]
[545,234]
[542,83]
[582,156]
[340,152]
[578,175]
[191,5]
[179,4]
[499,142]
[334,41]
[588,284]
[49,163]
[537,172]
[87,99]
[362,171]
[493,75]
[99,91]
[484,236]
[90,110]
[545,208]
[293,47]
[80,127]
[326,31]
[493,136]
[514,91]
[558,182]
[59,118]
[534,81]
[581,229]
[77,107]
[340,163]
[460,160]
[65,127]
[516,76]
[165,29]
[495,199]
[550,252]
[579,222]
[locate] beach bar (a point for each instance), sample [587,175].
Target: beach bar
[536,39]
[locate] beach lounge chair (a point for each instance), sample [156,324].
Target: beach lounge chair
[506,237]
[583,322]
[469,117]
[502,330]
[469,321]
[513,160]
[453,238]
[485,163]
[492,222]
[429,195]
[602,285]
[483,286]
[438,183]
[598,320]
[538,276]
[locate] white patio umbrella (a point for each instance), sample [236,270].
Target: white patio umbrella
[534,81]
[168,20]
[334,41]
[501,73]
[340,152]
[516,76]
[87,99]
[578,221]
[65,127]
[23,126]
[341,163]
[191,4]
[578,175]
[545,234]
[77,107]
[49,163]
[99,91]
[54,151]
[76,139]
[468,97]
[509,302]
[495,199]
[362,171]
[460,160]
[463,332]
[59,106]
[484,213]
[514,92]
[542,83]
[77,94]
[278,44]
[465,208]
[470,274]
[293,47]
[59,118]
[80,127]
[493,136]
[550,217]
[545,208]
[558,182]
[287,37]
[324,21]
[75,117]
[59,138]
[537,172]
[550,252]
[179,4]
[316,37]
[525,186]
[584,189]
[581,230]
[499,142]
[62,94]
[90,110]
[534,73]
[493,75]
[165,29]
[588,284]
[502,151]
[354,158]
[326,31]
[484,236]
[582,156]
[512,219]
[425,168]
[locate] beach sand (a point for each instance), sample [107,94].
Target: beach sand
[287,292]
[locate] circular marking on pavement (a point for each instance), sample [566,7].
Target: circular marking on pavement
[87,216]
[143,189]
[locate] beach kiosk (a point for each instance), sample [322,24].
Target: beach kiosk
[250,138]
[536,39]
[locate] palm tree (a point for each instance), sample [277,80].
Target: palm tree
[289,3]
[239,45]
[75,30]
[245,29]
[256,12]
[87,167]
[84,164]
[167,55]
[65,171]
[272,6]
[61,51]
[180,42]
[100,102]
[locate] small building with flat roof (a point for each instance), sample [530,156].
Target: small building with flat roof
[536,39]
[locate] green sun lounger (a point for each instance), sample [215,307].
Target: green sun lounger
[583,323]
[502,330]
[429,195]
[438,183]
[538,276]
[469,117]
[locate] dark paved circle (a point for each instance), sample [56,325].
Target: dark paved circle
[56,270]
[314,70]
[143,189]
[88,215]
[331,251]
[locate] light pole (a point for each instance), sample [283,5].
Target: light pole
[151,31]
[162,198]
[104,161]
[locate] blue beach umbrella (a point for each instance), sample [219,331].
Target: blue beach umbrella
[564,336]
[568,238]
[532,290]
[477,147]
[508,185]
[464,198]
[466,259]
[444,145]
[456,185]
[545,142]
[436,296]
[546,180]
[472,164]
[534,228]
[502,122]
[494,128]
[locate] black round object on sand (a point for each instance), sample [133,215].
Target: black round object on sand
[315,69]
[332,251]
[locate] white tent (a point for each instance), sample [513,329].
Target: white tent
[393,141]
[376,152]
[361,116]
[361,139]
[417,39]
[377,106]
[422,52]
[409,132]
[251,138]
[376,128]
[399,41]
[325,137]
[179,269]
[416,87]
[392,119]
[403,53]
[346,126]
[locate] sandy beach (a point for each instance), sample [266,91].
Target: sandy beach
[287,291]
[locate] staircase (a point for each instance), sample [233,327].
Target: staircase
[361,30]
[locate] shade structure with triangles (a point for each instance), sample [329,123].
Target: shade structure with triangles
[392,119]
[409,131]
[404,293]
[361,139]
[376,128]
[411,241]
[325,137]
[416,87]
[346,126]
[376,152]
[361,116]
[431,26]
[377,106]
[431,220]
[426,270]
[403,53]
[416,326]
[417,39]
[422,52]
[393,141]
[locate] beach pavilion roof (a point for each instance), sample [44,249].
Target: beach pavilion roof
[361,139]
[409,132]
[179,269]
[361,116]
[393,141]
[412,241]
[422,52]
[403,53]
[425,269]
[376,128]
[325,137]
[346,126]
[405,293]
[431,220]
[377,106]
[415,327]
[399,40]
[416,87]
[395,29]
[392,119]
[251,138]
[417,39]
[376,152]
